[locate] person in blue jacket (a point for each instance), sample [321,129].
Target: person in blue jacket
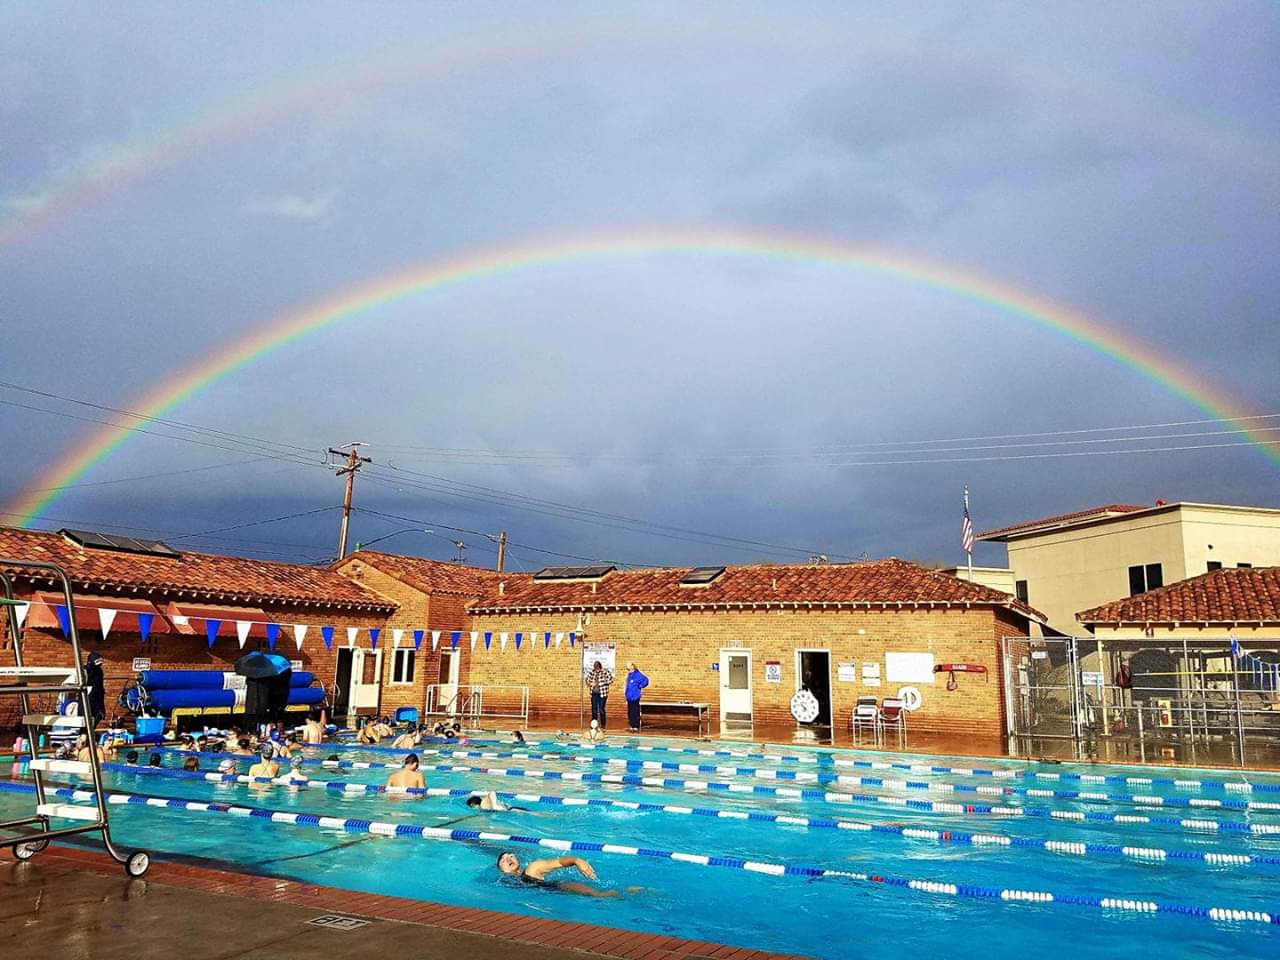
[636,682]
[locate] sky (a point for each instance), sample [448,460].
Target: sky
[175,177]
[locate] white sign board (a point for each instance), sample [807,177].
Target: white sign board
[847,672]
[1039,654]
[141,663]
[295,664]
[1091,679]
[773,671]
[908,667]
[871,674]
[605,653]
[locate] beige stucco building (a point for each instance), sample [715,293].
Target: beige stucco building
[1065,564]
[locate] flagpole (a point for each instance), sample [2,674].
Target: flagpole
[968,553]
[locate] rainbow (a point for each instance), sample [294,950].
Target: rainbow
[361,298]
[331,88]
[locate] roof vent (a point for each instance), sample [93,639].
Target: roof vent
[91,540]
[700,576]
[589,572]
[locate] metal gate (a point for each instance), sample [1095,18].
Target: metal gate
[1200,699]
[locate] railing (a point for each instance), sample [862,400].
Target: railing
[478,702]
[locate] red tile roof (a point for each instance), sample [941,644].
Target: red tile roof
[1065,519]
[199,575]
[880,582]
[1229,595]
[429,576]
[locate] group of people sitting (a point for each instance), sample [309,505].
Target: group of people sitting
[377,729]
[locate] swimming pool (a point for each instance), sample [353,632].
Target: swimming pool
[824,852]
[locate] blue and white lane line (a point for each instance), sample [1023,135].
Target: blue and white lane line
[1117,905]
[811,795]
[885,783]
[829,759]
[1144,854]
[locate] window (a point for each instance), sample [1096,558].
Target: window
[1213,565]
[1144,578]
[402,666]
[1244,566]
[1020,590]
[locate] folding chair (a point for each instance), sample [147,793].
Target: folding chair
[893,713]
[866,715]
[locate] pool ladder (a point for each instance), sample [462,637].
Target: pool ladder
[30,835]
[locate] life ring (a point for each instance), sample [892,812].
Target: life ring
[911,699]
[804,706]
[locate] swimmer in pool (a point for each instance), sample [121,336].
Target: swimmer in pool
[267,766]
[406,741]
[535,874]
[490,801]
[409,775]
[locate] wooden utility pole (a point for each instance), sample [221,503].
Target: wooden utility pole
[354,462]
[502,551]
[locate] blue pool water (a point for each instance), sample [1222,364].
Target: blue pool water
[820,916]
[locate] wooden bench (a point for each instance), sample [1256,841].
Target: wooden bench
[703,710]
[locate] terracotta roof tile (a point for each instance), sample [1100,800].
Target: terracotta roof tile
[429,576]
[1066,519]
[202,574]
[889,581]
[1229,595]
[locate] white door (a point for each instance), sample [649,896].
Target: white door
[449,681]
[366,678]
[735,685]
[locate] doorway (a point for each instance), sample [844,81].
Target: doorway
[813,673]
[735,685]
[342,683]
[448,681]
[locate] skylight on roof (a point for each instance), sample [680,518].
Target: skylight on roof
[700,576]
[92,540]
[588,572]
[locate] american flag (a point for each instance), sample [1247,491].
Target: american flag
[966,531]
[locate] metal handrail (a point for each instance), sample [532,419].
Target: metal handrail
[136,863]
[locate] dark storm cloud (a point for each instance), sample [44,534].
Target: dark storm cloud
[1117,160]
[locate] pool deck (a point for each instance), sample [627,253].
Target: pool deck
[77,904]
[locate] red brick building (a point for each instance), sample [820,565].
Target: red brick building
[181,591]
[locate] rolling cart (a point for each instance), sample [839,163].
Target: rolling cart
[29,835]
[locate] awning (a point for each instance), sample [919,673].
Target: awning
[93,611]
[193,619]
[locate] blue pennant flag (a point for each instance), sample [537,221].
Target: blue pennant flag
[453,640]
[488,639]
[273,631]
[211,628]
[327,633]
[572,638]
[1235,648]
[417,639]
[519,637]
[373,637]
[64,621]
[546,640]
[144,625]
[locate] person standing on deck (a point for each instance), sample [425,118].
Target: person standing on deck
[96,682]
[599,680]
[636,682]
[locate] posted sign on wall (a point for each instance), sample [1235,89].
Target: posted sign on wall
[773,671]
[606,653]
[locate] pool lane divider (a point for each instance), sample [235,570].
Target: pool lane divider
[831,759]
[884,783]
[796,793]
[1113,905]
[1146,854]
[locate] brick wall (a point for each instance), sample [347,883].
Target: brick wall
[677,649]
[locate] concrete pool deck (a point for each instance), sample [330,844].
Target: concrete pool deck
[77,904]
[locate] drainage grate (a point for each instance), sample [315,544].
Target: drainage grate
[335,922]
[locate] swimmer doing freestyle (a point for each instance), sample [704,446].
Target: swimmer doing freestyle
[535,874]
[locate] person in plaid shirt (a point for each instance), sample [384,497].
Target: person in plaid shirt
[598,682]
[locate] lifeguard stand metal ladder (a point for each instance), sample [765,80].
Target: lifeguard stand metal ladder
[29,835]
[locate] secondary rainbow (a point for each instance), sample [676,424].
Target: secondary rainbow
[477,265]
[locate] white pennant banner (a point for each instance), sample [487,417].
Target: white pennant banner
[352,633]
[502,643]
[559,640]
[396,636]
[475,635]
[435,639]
[299,632]
[105,619]
[21,610]
[242,631]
